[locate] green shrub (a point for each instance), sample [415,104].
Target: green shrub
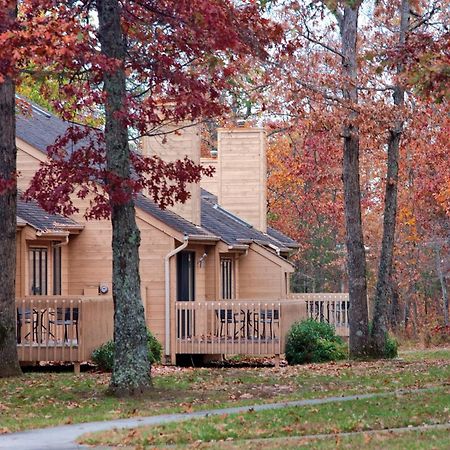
[391,347]
[103,356]
[310,341]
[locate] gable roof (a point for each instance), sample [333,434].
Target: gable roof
[235,231]
[170,218]
[39,128]
[32,214]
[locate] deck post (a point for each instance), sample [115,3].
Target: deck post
[277,361]
[77,368]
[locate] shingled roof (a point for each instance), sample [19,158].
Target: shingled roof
[235,231]
[32,214]
[39,128]
[170,218]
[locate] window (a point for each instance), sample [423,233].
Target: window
[38,271]
[227,279]
[186,276]
[56,270]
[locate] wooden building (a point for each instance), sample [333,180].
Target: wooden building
[215,277]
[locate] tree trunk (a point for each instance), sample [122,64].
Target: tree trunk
[358,314]
[394,310]
[384,281]
[9,361]
[131,372]
[442,283]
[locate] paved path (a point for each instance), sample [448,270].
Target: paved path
[64,437]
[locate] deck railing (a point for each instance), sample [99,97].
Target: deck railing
[62,328]
[229,327]
[330,308]
[252,327]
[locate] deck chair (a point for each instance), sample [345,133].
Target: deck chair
[26,316]
[226,317]
[269,317]
[65,317]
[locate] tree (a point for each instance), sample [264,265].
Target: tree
[158,62]
[330,81]
[384,288]
[358,314]
[362,101]
[9,362]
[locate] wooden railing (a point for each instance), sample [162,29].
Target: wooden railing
[251,327]
[229,327]
[64,329]
[330,308]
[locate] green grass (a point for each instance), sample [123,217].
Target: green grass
[411,440]
[388,411]
[45,399]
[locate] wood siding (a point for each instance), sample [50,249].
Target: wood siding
[211,184]
[174,146]
[260,276]
[243,174]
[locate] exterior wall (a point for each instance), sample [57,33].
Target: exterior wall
[261,277]
[87,259]
[19,263]
[173,146]
[211,184]
[243,174]
[28,159]
[155,245]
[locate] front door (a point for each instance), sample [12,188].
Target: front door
[185,292]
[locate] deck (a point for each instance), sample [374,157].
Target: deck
[62,328]
[252,327]
[69,328]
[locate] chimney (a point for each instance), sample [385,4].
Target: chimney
[178,143]
[211,184]
[242,174]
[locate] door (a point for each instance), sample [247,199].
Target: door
[185,293]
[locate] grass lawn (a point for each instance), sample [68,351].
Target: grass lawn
[381,440]
[388,411]
[46,399]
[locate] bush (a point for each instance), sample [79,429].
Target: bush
[103,356]
[391,347]
[310,341]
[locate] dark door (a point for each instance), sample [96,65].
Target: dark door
[185,293]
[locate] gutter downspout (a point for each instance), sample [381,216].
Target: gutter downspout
[62,243]
[167,292]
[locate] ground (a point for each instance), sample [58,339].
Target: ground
[44,399]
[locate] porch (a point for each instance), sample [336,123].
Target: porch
[64,329]
[252,327]
[68,329]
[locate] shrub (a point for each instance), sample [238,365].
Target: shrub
[310,341]
[391,347]
[103,356]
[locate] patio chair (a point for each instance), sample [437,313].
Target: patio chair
[26,316]
[64,317]
[269,317]
[226,317]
